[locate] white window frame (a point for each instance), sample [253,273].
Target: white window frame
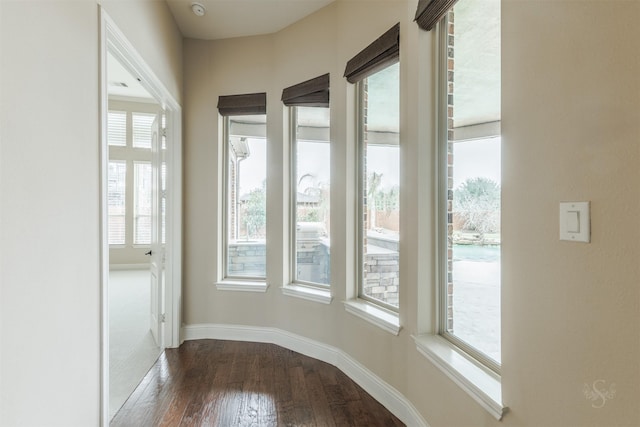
[230,282]
[130,155]
[126,172]
[481,383]
[293,203]
[134,212]
[361,178]
[443,189]
[366,308]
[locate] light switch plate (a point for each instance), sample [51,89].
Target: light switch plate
[575,221]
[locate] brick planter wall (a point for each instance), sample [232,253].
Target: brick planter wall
[247,259]
[383,277]
[313,261]
[450,126]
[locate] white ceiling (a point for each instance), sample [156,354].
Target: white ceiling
[120,82]
[477,42]
[238,18]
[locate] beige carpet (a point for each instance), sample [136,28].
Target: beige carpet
[132,350]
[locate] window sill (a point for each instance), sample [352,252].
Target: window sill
[242,285]
[312,294]
[479,382]
[383,319]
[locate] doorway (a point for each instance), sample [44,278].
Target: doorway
[140,169]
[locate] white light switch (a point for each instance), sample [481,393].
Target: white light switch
[575,222]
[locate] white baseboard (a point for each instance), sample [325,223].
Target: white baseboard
[129,266]
[388,396]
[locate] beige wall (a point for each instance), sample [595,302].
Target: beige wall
[150,27]
[571,97]
[49,260]
[571,125]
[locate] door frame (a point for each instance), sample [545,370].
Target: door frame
[114,41]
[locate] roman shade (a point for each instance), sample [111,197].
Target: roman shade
[243,105]
[429,12]
[311,93]
[379,54]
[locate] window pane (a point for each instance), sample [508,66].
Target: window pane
[163,181]
[246,197]
[142,203]
[163,125]
[163,202]
[117,128]
[312,187]
[475,255]
[380,175]
[141,123]
[473,176]
[116,194]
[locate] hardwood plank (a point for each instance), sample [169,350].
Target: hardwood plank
[268,414]
[216,390]
[286,413]
[229,383]
[302,406]
[341,415]
[348,387]
[372,406]
[250,405]
[194,411]
[229,407]
[318,397]
[282,383]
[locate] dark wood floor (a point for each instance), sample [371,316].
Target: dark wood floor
[229,383]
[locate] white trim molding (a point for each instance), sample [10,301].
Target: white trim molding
[388,396]
[478,381]
[129,266]
[112,40]
[383,319]
[305,292]
[242,285]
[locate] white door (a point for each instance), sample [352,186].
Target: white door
[157,251]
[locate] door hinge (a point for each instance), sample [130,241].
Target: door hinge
[163,317]
[163,132]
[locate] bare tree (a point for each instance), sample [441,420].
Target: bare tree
[477,203]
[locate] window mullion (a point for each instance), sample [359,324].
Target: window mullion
[293,214]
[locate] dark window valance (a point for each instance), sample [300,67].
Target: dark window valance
[379,54]
[312,93]
[243,105]
[429,12]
